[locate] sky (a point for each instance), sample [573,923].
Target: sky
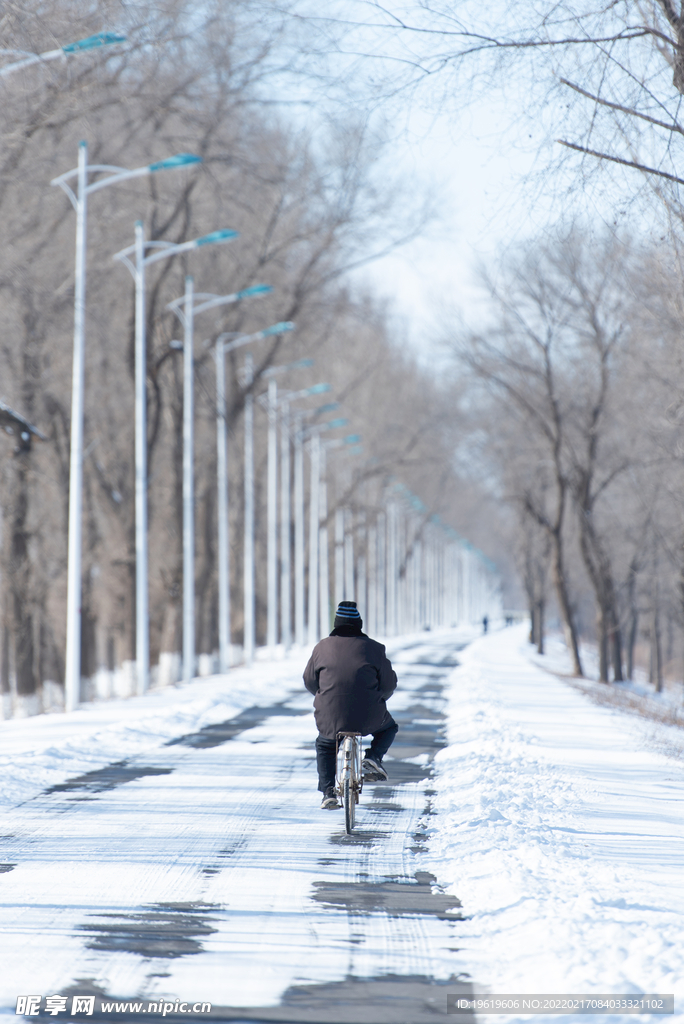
[474,156]
[479,138]
[471,163]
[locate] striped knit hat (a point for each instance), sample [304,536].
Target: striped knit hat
[347,614]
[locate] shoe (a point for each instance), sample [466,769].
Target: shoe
[373,770]
[330,801]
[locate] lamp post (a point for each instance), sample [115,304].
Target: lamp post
[79,200]
[314,523]
[285,517]
[137,267]
[372,568]
[298,454]
[273,403]
[317,461]
[391,570]
[73,656]
[224,345]
[224,624]
[324,569]
[272,520]
[81,46]
[185,309]
[285,556]
[299,434]
[349,555]
[249,614]
[323,554]
[188,486]
[339,554]
[381,574]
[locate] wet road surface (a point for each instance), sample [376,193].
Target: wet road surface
[208,872]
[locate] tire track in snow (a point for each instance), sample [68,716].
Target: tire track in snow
[221,835]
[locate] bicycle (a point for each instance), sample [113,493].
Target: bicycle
[349,781]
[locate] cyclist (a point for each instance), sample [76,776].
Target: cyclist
[351,678]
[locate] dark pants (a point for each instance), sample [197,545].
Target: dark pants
[326,751]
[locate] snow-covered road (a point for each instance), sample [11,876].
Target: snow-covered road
[194,863]
[171,849]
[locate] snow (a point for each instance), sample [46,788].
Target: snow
[561,831]
[45,750]
[555,821]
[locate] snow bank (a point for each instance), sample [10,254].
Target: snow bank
[560,830]
[39,752]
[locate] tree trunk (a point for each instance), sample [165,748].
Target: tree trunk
[541,607]
[5,666]
[633,617]
[5,654]
[206,585]
[600,573]
[656,665]
[631,641]
[23,648]
[22,625]
[616,650]
[602,635]
[560,583]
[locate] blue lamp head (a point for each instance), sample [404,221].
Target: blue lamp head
[92,42]
[280,328]
[179,160]
[215,237]
[255,289]
[341,422]
[352,439]
[319,389]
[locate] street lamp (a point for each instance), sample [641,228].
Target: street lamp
[185,309]
[137,268]
[228,342]
[79,200]
[82,45]
[285,561]
[316,460]
[225,659]
[324,589]
[298,435]
[273,402]
[248,554]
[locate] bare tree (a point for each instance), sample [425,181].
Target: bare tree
[518,361]
[306,213]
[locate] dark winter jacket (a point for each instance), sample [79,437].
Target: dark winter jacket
[351,677]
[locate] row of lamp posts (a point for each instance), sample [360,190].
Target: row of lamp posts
[137,258]
[432,577]
[406,569]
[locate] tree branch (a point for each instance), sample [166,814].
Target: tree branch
[624,110]
[619,160]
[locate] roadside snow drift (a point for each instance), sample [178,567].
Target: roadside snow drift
[560,827]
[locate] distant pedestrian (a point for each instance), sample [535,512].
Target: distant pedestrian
[485,623]
[351,677]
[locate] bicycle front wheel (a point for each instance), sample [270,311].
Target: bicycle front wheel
[349,806]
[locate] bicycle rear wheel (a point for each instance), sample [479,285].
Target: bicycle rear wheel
[349,806]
